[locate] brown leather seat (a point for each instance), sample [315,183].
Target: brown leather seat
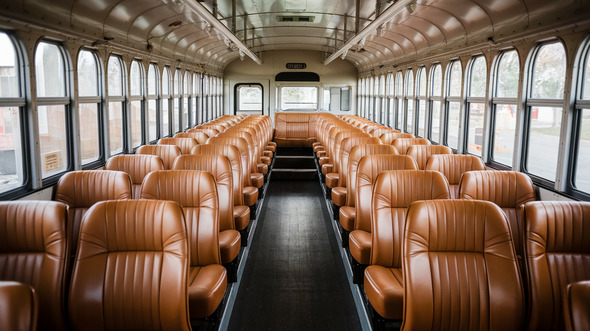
[257,169]
[220,168]
[347,214]
[333,177]
[507,189]
[556,250]
[293,130]
[168,153]
[370,166]
[209,132]
[388,137]
[402,144]
[195,191]
[241,210]
[459,268]
[185,144]
[82,189]
[421,153]
[393,193]
[131,268]
[576,303]
[200,136]
[137,166]
[453,166]
[19,307]
[35,250]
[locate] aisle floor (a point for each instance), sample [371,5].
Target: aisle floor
[294,278]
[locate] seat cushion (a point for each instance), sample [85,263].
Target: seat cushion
[338,195]
[360,246]
[347,216]
[332,179]
[229,245]
[241,216]
[206,289]
[250,195]
[385,290]
[262,168]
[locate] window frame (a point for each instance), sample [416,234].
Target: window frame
[237,95]
[318,88]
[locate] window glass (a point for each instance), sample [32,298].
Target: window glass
[582,177]
[115,105]
[53,139]
[250,98]
[436,81]
[586,81]
[507,78]
[50,71]
[475,134]
[478,77]
[505,127]
[436,116]
[87,74]
[135,123]
[153,80]
[421,82]
[185,98]
[299,97]
[115,77]
[543,141]
[549,72]
[165,127]
[135,78]
[421,88]
[166,81]
[177,92]
[455,79]
[152,108]
[399,96]
[453,125]
[152,118]
[409,92]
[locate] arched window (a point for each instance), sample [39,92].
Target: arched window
[136,82]
[436,102]
[52,107]
[198,99]
[152,102]
[14,173]
[421,104]
[476,104]
[399,97]
[409,101]
[544,107]
[504,107]
[390,101]
[165,110]
[453,104]
[116,105]
[89,106]
[382,110]
[176,116]
[186,96]
[580,175]
[206,103]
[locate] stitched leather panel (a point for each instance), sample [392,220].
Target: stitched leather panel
[34,251]
[402,144]
[421,153]
[347,145]
[168,153]
[195,191]
[136,166]
[453,166]
[388,137]
[242,145]
[185,144]
[460,269]
[200,136]
[133,262]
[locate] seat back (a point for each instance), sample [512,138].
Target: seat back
[19,307]
[220,168]
[136,166]
[459,267]
[131,268]
[507,189]
[356,154]
[393,193]
[557,252]
[345,149]
[338,146]
[388,137]
[185,144]
[195,191]
[421,153]
[453,166]
[35,250]
[209,132]
[233,155]
[168,153]
[402,144]
[200,136]
[251,146]
[369,167]
[82,189]
[242,145]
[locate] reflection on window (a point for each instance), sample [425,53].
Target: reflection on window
[299,97]
[50,71]
[455,79]
[543,144]
[582,177]
[478,78]
[453,125]
[116,127]
[508,70]
[89,132]
[87,74]
[11,163]
[505,126]
[549,72]
[475,134]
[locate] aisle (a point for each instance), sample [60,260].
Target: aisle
[294,278]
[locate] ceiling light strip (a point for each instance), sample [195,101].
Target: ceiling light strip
[221,28]
[385,17]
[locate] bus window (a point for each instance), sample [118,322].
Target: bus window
[116,105]
[581,175]
[409,101]
[197,107]
[504,108]
[399,109]
[12,169]
[176,116]
[52,103]
[435,102]
[421,96]
[390,101]
[545,105]
[136,97]
[89,105]
[299,97]
[165,110]
[186,95]
[476,98]
[248,99]
[453,104]
[152,104]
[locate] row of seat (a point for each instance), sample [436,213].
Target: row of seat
[386,240]
[214,208]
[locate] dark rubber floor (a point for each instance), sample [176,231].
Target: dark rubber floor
[294,278]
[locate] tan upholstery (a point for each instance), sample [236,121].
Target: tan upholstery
[459,268]
[393,193]
[453,166]
[421,153]
[200,136]
[388,137]
[576,303]
[185,144]
[82,189]
[132,263]
[402,144]
[294,130]
[136,166]
[195,191]
[19,307]
[557,253]
[168,153]
[220,168]
[35,250]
